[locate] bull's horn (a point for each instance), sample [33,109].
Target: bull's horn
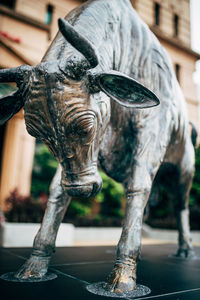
[78,42]
[13,74]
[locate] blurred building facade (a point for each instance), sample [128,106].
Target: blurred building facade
[26,30]
[170,21]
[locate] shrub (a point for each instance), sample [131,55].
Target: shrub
[24,208]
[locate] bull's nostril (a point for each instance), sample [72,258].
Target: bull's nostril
[85,191]
[96,187]
[86,188]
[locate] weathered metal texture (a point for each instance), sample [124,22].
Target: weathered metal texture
[84,102]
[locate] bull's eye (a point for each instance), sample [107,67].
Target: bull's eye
[82,130]
[87,134]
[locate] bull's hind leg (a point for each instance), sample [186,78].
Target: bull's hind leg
[123,277]
[181,203]
[44,244]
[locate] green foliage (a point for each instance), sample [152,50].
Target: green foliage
[111,197]
[44,168]
[80,208]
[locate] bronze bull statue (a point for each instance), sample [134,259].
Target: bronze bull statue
[85,101]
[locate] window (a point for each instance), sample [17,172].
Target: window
[49,14]
[156,14]
[176,25]
[8,3]
[177,71]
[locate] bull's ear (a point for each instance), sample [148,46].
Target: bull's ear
[9,105]
[126,91]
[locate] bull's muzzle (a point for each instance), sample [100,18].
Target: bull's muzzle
[83,186]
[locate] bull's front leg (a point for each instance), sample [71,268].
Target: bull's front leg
[44,243]
[123,277]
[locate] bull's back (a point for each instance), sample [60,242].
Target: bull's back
[152,66]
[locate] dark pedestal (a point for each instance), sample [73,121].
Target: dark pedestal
[167,277]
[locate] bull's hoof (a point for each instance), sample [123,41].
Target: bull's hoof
[34,268]
[186,253]
[11,277]
[121,280]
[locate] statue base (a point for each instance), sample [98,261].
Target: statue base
[11,277]
[99,289]
[189,258]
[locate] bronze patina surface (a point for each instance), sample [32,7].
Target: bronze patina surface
[85,100]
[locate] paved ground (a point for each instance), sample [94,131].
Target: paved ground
[22,235]
[76,267]
[91,236]
[145,241]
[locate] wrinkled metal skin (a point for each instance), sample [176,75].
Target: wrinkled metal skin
[89,116]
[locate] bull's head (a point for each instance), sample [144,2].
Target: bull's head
[66,105]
